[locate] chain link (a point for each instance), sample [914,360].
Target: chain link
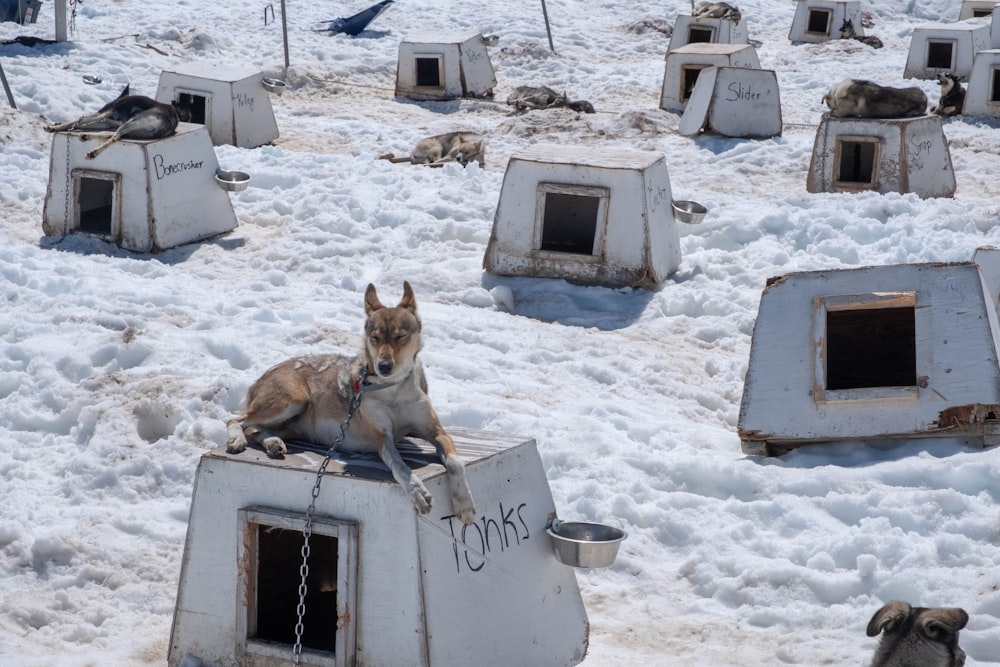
[300,609]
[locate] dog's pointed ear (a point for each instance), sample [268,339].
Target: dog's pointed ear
[371,300]
[409,300]
[941,624]
[887,617]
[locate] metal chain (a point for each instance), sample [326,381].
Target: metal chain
[300,610]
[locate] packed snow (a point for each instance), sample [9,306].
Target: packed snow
[118,370]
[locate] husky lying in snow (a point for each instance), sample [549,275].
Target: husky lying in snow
[308,398]
[128,117]
[952,96]
[864,99]
[917,636]
[543,97]
[462,147]
[847,32]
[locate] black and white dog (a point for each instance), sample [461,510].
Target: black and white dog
[128,117]
[847,32]
[543,97]
[864,99]
[952,96]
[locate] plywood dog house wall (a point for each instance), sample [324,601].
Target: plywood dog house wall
[685,64]
[433,66]
[881,154]
[386,585]
[734,102]
[587,215]
[143,195]
[874,353]
[945,48]
[229,100]
[820,20]
[982,96]
[692,30]
[976,9]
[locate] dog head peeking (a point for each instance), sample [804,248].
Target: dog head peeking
[392,335]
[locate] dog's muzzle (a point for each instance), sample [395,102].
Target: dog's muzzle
[384,368]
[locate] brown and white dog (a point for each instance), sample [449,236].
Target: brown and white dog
[128,117]
[917,636]
[307,398]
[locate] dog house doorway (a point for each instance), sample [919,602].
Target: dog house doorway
[429,71]
[689,77]
[940,54]
[571,219]
[701,33]
[857,162]
[197,104]
[819,22]
[870,346]
[97,208]
[267,604]
[995,86]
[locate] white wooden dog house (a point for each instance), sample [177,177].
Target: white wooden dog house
[386,586]
[734,102]
[144,195]
[692,30]
[684,64]
[976,9]
[982,96]
[820,20]
[229,100]
[874,353]
[945,48]
[881,154]
[995,30]
[435,66]
[585,214]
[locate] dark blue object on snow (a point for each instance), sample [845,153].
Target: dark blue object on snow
[353,25]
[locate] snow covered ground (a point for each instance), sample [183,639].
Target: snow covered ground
[117,371]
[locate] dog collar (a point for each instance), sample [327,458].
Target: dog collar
[363,381]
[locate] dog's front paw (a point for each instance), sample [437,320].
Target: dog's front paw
[275,447]
[466,514]
[421,498]
[237,438]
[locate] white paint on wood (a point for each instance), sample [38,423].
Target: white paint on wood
[966,39]
[912,155]
[723,31]
[734,102]
[465,66]
[430,591]
[955,338]
[636,240]
[982,95]
[697,56]
[165,193]
[238,108]
[837,11]
[970,9]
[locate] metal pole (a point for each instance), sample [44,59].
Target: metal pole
[548,30]
[284,34]
[60,8]
[10,96]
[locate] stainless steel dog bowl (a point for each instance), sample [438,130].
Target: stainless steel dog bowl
[232,181]
[580,544]
[276,86]
[91,79]
[690,212]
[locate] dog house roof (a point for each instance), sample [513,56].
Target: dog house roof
[439,37]
[418,454]
[587,157]
[224,73]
